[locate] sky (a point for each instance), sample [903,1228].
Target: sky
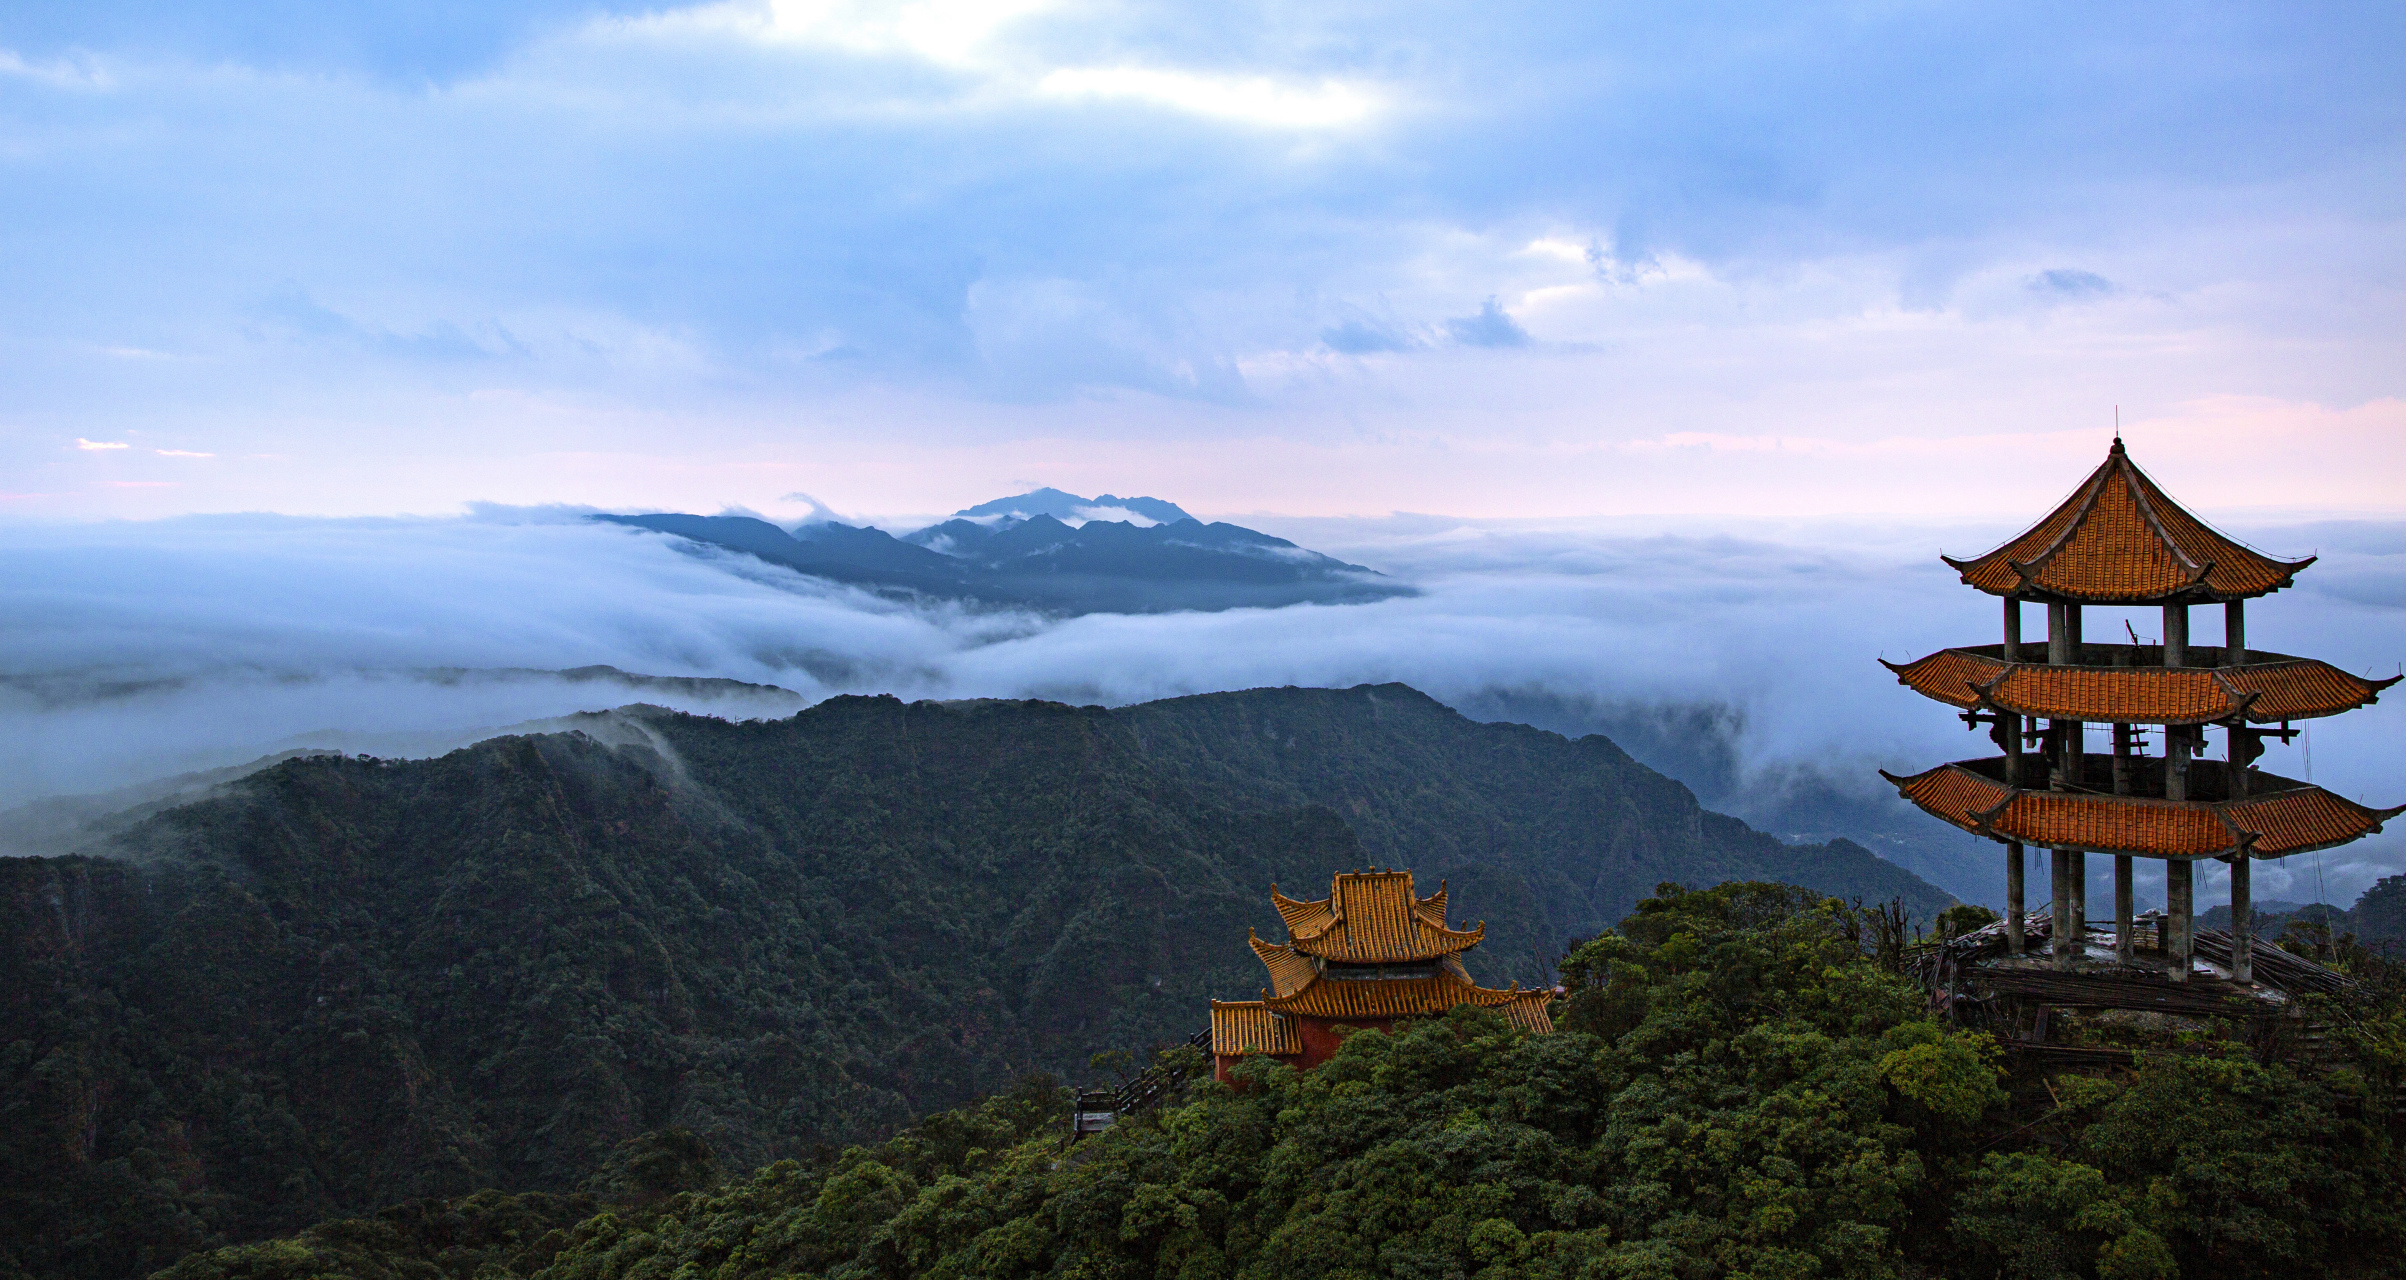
[1494,261]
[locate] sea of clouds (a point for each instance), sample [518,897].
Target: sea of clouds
[137,650]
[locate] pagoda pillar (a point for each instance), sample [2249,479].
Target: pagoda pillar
[2180,941]
[2068,931]
[2243,925]
[2009,733]
[2176,635]
[2243,929]
[2059,926]
[2125,945]
[2015,908]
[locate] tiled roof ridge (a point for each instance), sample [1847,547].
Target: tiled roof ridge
[2117,464]
[2157,514]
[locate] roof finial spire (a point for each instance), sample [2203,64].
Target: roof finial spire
[2117,428]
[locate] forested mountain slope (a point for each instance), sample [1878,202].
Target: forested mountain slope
[346,982]
[1547,838]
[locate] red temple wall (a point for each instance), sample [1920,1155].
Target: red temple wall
[1320,1041]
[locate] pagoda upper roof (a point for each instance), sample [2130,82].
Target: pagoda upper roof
[2121,540]
[2279,817]
[1373,917]
[2271,687]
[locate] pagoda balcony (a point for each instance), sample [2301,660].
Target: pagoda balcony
[2129,684]
[2275,817]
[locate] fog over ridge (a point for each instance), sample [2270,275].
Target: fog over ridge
[137,650]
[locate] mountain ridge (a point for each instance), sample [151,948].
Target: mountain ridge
[1098,566]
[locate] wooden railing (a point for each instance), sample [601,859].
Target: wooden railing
[1096,1109]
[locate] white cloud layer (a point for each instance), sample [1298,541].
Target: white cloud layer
[141,649]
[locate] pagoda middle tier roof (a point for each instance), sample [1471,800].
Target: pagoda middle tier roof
[2280,816]
[2121,540]
[2271,687]
[1373,917]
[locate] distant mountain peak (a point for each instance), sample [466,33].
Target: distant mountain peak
[1073,510]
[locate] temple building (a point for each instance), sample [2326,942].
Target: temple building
[1370,952]
[2121,541]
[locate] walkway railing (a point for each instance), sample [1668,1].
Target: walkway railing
[1096,1109]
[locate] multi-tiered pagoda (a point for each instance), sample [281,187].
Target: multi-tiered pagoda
[2119,540]
[1370,952]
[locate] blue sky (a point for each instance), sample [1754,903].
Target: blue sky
[1491,260]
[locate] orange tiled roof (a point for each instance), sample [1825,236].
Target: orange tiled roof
[1290,970]
[1373,917]
[2277,688]
[2294,818]
[1240,1027]
[2301,689]
[1404,998]
[2121,540]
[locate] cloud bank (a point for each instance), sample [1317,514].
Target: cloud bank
[142,649]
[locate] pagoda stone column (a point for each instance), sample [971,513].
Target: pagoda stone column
[2009,732]
[2068,931]
[2180,941]
[2243,925]
[2125,946]
[2180,905]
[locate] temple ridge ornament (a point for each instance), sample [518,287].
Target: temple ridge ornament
[2120,540]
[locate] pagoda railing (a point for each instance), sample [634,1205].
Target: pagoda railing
[1096,1109]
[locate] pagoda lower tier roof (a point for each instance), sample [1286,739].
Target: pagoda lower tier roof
[2119,539]
[2128,684]
[2277,817]
[1342,998]
[1373,917]
[1240,1027]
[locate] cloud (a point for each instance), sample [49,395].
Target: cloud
[1362,337]
[1490,328]
[142,649]
[1251,100]
[181,453]
[96,446]
[2072,285]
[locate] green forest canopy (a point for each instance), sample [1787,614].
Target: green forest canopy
[1737,1091]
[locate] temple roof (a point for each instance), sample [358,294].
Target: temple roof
[1372,949]
[1409,997]
[1290,970]
[1240,1027]
[2121,540]
[2282,817]
[2272,687]
[1373,917]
